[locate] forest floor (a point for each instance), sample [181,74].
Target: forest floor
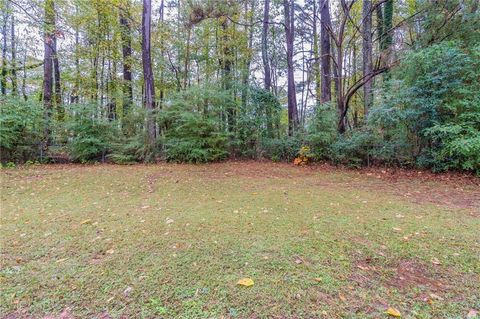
[172,241]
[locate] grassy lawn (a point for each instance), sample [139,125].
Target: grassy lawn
[171,241]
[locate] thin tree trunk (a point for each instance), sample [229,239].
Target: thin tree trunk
[316,57]
[367,54]
[74,96]
[58,86]
[226,63]
[325,52]
[14,59]
[24,76]
[248,57]
[186,62]
[266,64]
[147,71]
[49,39]
[289,12]
[127,57]
[162,52]
[3,80]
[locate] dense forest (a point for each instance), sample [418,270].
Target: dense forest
[371,82]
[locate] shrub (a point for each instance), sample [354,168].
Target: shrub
[21,129]
[355,149]
[281,149]
[192,130]
[89,135]
[322,131]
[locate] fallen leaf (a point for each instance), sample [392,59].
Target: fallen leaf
[393,312]
[435,261]
[318,279]
[246,282]
[61,260]
[86,222]
[434,296]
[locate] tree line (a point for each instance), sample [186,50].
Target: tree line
[202,80]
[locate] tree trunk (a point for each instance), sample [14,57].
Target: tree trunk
[325,52]
[127,57]
[74,96]
[147,71]
[266,63]
[49,39]
[316,57]
[58,86]
[24,76]
[3,80]
[367,54]
[14,59]
[289,11]
[226,64]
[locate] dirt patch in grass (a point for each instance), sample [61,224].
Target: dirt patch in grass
[412,273]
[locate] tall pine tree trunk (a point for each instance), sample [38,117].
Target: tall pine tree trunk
[3,80]
[49,39]
[316,57]
[126,36]
[149,88]
[367,53]
[289,12]
[325,52]
[57,82]
[14,58]
[266,63]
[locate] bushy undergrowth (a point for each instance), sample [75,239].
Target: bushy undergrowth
[427,116]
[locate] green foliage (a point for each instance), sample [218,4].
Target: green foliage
[128,150]
[21,129]
[128,146]
[354,149]
[193,133]
[257,120]
[322,131]
[431,118]
[89,135]
[281,149]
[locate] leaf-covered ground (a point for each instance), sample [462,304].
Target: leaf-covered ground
[172,241]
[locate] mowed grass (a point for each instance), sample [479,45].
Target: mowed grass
[171,241]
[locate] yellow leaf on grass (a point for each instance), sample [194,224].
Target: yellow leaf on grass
[246,282]
[86,221]
[394,312]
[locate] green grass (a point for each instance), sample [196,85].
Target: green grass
[171,241]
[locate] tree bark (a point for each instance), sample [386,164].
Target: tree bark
[266,63]
[289,12]
[49,38]
[14,58]
[147,71]
[316,61]
[24,76]
[367,54]
[74,95]
[57,82]
[325,52]
[127,57]
[3,80]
